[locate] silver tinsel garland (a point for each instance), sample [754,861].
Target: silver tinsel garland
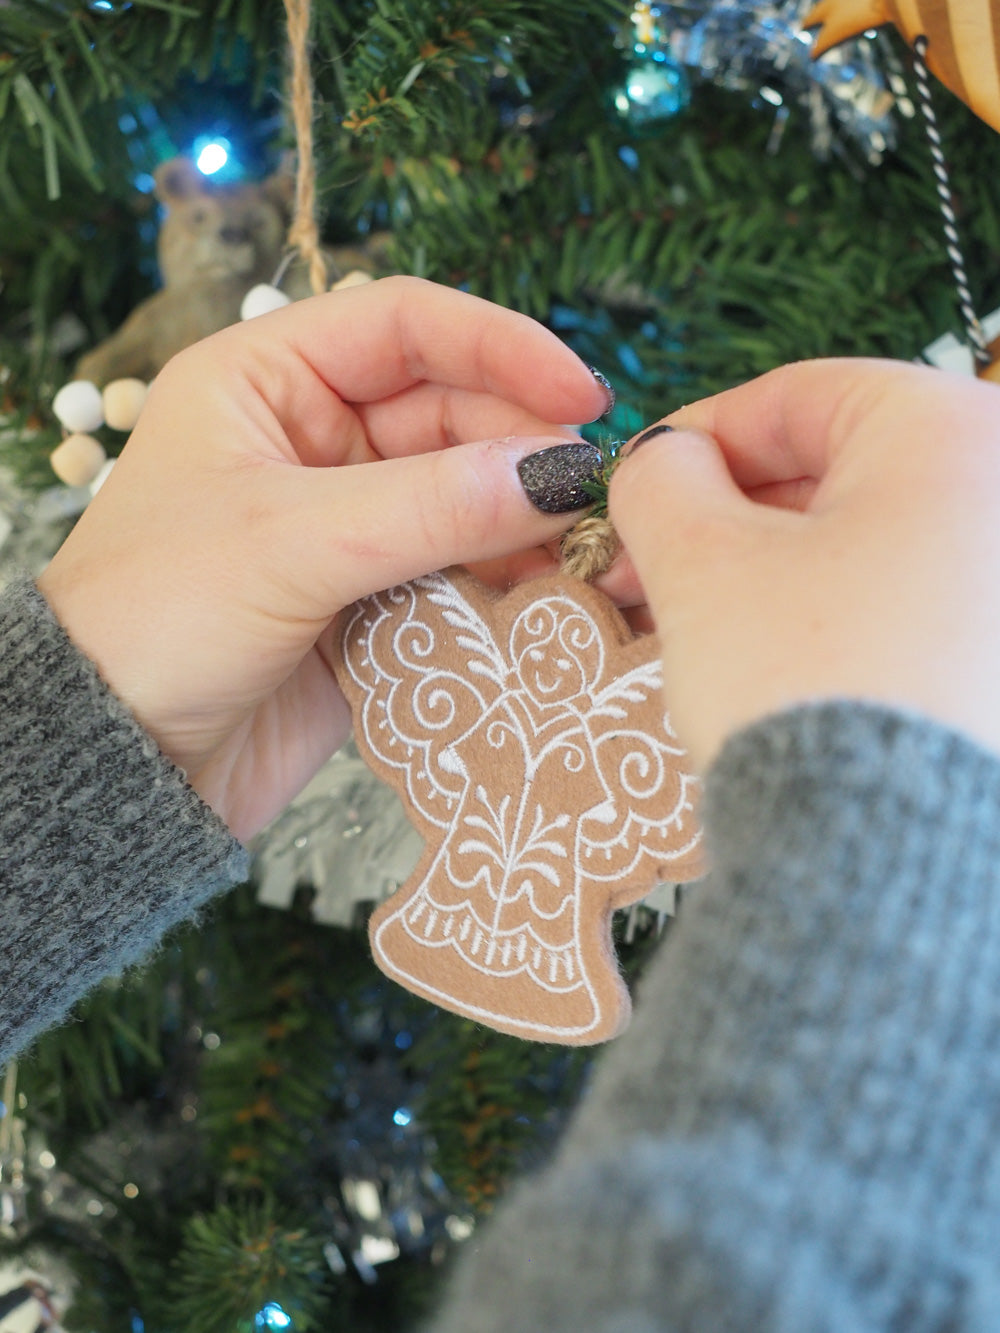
[759,47]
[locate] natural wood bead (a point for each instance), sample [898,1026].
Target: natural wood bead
[78,460]
[356,278]
[123,400]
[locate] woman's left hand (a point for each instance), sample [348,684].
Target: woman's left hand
[282,469]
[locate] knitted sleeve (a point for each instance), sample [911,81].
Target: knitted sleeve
[800,1129]
[103,845]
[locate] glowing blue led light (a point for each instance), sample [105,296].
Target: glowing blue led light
[211,155]
[272,1316]
[402,1116]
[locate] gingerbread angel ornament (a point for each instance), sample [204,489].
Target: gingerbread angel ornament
[527,738]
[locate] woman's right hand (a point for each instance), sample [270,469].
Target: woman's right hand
[831,529]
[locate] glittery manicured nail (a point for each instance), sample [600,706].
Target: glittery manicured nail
[553,478]
[607,386]
[648,435]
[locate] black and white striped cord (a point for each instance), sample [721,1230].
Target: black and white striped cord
[973,328]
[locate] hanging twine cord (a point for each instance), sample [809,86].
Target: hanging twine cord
[589,548]
[304,232]
[973,328]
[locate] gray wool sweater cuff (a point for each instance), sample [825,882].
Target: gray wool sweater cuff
[799,1130]
[103,845]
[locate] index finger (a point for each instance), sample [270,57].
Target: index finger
[369,343]
[787,427]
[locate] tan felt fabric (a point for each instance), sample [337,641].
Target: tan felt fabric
[527,738]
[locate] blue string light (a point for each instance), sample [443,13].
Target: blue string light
[272,1316]
[211,155]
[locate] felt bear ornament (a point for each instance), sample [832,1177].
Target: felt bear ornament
[526,736]
[216,242]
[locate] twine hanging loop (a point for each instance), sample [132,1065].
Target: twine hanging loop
[304,231]
[589,548]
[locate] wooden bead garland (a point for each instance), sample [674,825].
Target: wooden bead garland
[265,297]
[81,408]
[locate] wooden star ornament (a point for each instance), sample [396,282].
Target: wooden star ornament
[526,736]
[961,37]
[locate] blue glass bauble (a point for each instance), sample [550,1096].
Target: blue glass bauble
[654,91]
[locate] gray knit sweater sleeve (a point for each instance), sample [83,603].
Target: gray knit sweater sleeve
[103,846]
[801,1128]
[798,1132]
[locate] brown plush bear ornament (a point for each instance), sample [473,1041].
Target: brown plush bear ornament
[216,242]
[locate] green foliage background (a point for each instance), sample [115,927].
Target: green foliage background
[481,136]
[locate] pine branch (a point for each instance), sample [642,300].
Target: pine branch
[236,1261]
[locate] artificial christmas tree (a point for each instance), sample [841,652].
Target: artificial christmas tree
[259,1104]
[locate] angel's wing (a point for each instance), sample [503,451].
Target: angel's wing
[409,707]
[652,814]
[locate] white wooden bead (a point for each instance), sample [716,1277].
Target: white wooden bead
[78,460]
[102,476]
[123,400]
[356,278]
[78,406]
[261,300]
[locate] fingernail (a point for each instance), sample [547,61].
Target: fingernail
[553,478]
[648,435]
[607,386]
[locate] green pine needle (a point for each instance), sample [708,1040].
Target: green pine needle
[597,487]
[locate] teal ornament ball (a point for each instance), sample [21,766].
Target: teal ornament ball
[655,90]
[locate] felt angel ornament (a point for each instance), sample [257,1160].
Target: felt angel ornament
[527,738]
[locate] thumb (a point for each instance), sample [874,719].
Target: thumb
[369,526]
[679,513]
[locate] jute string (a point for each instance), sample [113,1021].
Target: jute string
[589,548]
[304,232]
[591,545]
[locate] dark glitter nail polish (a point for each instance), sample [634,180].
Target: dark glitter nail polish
[607,386]
[553,478]
[648,435]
